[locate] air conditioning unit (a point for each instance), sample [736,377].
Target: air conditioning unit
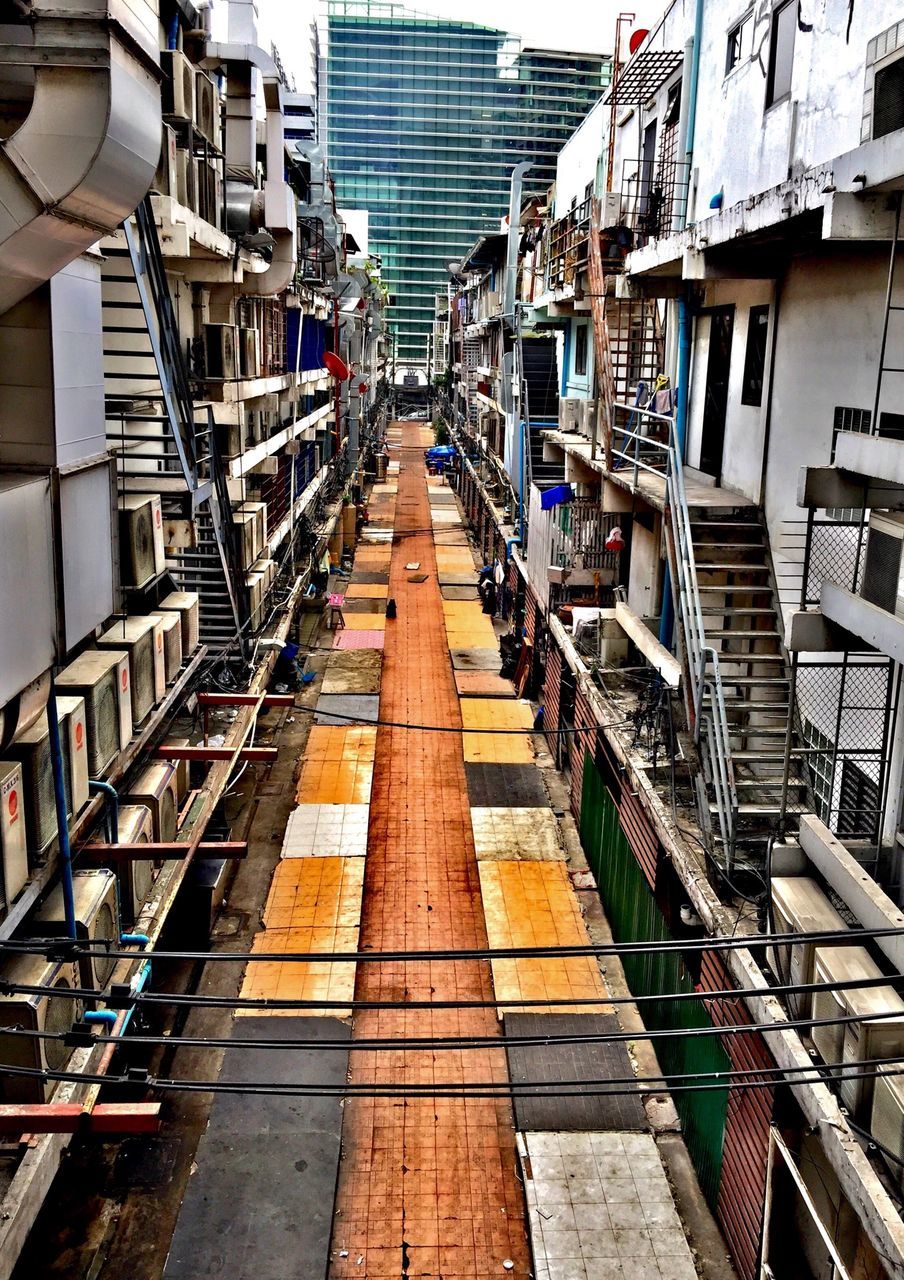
[883,573]
[165,179]
[96,902]
[588,418]
[219,351]
[136,875]
[13,843]
[136,636]
[185,603]
[571,414]
[249,353]
[610,209]
[230,438]
[887,1123]
[268,569]
[141,548]
[32,749]
[156,789]
[171,630]
[247,525]
[206,108]
[177,92]
[181,767]
[102,677]
[74,730]
[34,1012]
[799,906]
[854,1042]
[185,191]
[259,511]
[254,585]
[156,620]
[210,193]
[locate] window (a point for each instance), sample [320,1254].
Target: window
[781,52]
[848,419]
[858,804]
[755,357]
[740,44]
[580,350]
[888,99]
[820,759]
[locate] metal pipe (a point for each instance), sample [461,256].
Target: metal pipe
[511,252]
[62,810]
[112,806]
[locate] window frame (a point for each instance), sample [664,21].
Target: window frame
[748,397]
[743,28]
[581,350]
[772,99]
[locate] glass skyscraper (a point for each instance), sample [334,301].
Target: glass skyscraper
[424,120]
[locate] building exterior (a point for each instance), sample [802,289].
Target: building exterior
[174,452]
[689,431]
[424,120]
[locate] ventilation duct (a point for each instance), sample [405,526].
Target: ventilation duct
[87,151]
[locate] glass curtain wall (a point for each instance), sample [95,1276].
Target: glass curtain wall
[425,119]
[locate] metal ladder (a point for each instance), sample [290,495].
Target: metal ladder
[166,442]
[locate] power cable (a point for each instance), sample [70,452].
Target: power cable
[624,1086]
[461,1044]
[106,948]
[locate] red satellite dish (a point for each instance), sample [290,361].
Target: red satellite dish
[637,39]
[362,387]
[336,366]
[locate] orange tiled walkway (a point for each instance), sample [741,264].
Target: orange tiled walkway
[427,1186]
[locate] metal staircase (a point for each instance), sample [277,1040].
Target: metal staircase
[165,441]
[540,396]
[737,686]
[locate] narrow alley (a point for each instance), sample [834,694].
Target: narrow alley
[404,838]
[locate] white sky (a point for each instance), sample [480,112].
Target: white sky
[581,25]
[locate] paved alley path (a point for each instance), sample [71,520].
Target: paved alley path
[427,1187]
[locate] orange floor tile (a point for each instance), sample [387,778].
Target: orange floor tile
[365,621]
[338,765]
[532,904]
[483,684]
[497,748]
[367,591]
[433,1176]
[314,905]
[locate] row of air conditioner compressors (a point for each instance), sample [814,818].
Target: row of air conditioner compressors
[102,695]
[577,415]
[231,351]
[800,906]
[194,181]
[260,569]
[105,903]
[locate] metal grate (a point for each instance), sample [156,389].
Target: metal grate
[643,75]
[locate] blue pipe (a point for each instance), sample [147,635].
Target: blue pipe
[101,1015]
[667,613]
[112,806]
[134,940]
[512,542]
[139,984]
[62,810]
[172,35]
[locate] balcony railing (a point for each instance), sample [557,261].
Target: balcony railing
[579,542]
[654,197]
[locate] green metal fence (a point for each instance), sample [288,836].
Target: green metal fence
[635,917]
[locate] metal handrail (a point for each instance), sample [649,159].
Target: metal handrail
[710,719]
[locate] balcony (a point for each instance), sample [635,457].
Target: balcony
[654,197]
[578,542]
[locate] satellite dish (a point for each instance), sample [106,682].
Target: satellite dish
[637,39]
[336,366]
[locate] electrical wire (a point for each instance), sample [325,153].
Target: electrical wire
[107,948]
[614,1086]
[461,1044]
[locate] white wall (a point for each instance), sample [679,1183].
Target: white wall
[742,147]
[742,459]
[577,161]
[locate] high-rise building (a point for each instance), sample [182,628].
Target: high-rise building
[425,118]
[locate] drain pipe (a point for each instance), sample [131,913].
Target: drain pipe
[111,808]
[62,810]
[685,142]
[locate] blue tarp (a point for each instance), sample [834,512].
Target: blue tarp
[555,496]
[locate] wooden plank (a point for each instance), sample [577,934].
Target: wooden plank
[169,752]
[98,852]
[71,1117]
[244,699]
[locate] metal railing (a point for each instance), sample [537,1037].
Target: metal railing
[646,442]
[654,194]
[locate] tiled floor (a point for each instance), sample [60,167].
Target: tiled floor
[427,1186]
[601,1209]
[314,905]
[338,765]
[506,834]
[326,831]
[532,904]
